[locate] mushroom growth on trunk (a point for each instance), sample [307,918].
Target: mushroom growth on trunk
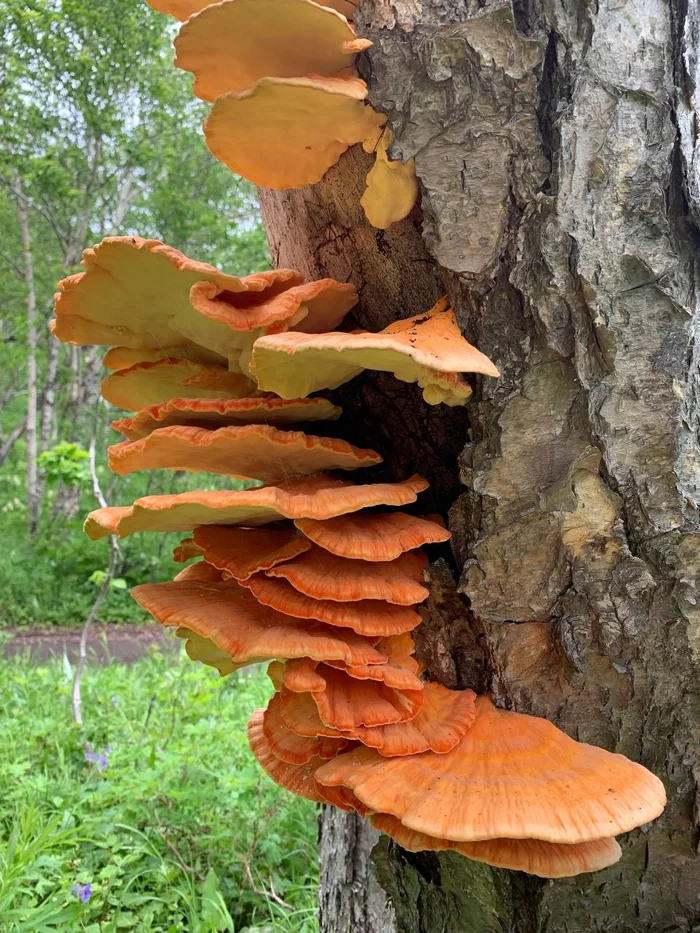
[312,573]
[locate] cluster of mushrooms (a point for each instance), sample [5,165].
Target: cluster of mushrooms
[316,574]
[286,97]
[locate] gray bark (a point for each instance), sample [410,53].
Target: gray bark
[558,154]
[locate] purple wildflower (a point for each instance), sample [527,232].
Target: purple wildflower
[83,892]
[100,761]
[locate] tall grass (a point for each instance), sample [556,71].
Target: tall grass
[168,818]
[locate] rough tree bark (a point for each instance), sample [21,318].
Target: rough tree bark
[557,147]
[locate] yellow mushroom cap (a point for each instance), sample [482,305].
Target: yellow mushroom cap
[287,132]
[428,349]
[135,293]
[229,46]
[392,187]
[148,384]
[183,9]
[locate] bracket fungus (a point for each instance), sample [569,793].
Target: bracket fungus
[221,413]
[148,384]
[247,631]
[512,776]
[183,9]
[287,132]
[241,552]
[228,46]
[252,451]
[392,186]
[428,349]
[545,859]
[319,496]
[373,536]
[302,572]
[369,616]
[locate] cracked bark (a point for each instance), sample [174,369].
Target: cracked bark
[557,147]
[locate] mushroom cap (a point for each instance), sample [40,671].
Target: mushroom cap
[374,536]
[546,859]
[346,704]
[314,307]
[438,727]
[321,496]
[322,575]
[367,616]
[299,675]
[293,748]
[136,293]
[148,384]
[229,46]
[125,357]
[201,572]
[204,650]
[245,630]
[512,776]
[299,779]
[401,669]
[242,552]
[392,186]
[185,550]
[287,132]
[441,722]
[183,9]
[222,412]
[428,349]
[251,451]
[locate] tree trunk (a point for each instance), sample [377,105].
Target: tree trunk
[30,430]
[557,149]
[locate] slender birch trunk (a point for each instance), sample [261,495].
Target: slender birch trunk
[557,149]
[30,429]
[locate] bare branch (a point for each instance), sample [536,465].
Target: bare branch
[18,270]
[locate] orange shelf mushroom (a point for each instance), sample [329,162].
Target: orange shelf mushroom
[241,552]
[292,748]
[512,776]
[401,669]
[428,349]
[392,186]
[372,617]
[546,859]
[183,9]
[300,572]
[318,496]
[253,451]
[221,412]
[287,132]
[297,778]
[322,575]
[245,630]
[230,45]
[146,385]
[373,536]
[140,294]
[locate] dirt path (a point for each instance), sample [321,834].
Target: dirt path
[107,643]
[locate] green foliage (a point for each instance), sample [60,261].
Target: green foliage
[106,138]
[164,831]
[65,463]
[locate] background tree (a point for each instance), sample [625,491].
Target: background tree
[557,152]
[99,137]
